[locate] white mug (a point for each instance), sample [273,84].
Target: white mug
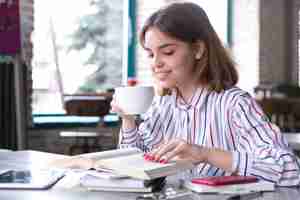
[134,100]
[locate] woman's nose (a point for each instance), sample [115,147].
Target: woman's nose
[157,63]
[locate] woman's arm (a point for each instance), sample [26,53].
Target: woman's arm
[262,150]
[146,134]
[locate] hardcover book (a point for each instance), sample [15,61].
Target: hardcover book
[228,185]
[121,184]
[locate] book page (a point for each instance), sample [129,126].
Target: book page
[72,163]
[87,161]
[136,166]
[136,160]
[110,153]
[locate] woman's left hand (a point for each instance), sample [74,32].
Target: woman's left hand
[178,149]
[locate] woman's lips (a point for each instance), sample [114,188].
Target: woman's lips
[162,75]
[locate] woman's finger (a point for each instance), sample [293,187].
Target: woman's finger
[116,109]
[180,149]
[164,149]
[157,147]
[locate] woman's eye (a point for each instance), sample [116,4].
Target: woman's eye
[168,53]
[149,55]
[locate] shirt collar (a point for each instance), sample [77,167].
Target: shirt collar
[196,101]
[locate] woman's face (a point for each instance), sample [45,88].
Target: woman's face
[172,60]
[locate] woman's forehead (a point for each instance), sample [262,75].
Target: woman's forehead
[154,38]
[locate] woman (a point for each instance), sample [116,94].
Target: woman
[205,118]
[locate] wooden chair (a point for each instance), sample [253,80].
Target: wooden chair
[85,142]
[89,105]
[283,112]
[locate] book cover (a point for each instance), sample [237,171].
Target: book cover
[230,188]
[224,180]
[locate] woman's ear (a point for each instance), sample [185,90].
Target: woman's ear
[199,49]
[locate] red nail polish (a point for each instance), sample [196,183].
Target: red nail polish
[151,158]
[163,161]
[146,156]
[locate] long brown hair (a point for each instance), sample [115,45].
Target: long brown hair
[189,23]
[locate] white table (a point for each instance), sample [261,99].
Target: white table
[29,159]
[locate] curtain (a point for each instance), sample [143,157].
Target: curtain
[8,126]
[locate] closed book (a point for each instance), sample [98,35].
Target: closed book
[236,188]
[224,180]
[121,184]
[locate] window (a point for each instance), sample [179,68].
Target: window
[217,14]
[77,50]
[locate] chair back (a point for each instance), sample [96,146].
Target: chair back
[284,112]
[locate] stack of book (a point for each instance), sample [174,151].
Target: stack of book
[129,162]
[122,170]
[97,181]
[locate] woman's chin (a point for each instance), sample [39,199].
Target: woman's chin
[165,84]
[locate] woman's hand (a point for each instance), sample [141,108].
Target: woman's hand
[116,109]
[178,149]
[128,121]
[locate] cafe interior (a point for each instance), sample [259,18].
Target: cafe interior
[60,63]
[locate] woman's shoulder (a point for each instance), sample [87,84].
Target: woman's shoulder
[235,95]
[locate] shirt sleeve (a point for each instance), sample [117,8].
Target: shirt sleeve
[261,149]
[148,133]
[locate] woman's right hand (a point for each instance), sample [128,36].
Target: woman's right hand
[116,109]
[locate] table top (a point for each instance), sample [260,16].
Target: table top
[69,192]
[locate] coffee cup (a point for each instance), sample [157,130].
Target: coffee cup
[134,100]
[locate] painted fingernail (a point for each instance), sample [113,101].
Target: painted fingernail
[163,161]
[146,157]
[151,158]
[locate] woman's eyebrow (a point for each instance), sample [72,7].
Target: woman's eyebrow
[166,45]
[162,46]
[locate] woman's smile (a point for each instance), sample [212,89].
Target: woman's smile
[162,75]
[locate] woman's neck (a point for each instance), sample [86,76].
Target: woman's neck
[187,92]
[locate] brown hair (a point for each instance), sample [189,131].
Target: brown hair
[189,23]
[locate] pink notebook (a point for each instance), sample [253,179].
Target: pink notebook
[224,180]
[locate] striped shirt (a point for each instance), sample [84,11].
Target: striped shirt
[231,120]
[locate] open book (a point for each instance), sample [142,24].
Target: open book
[128,162]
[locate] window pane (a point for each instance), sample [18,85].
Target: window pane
[77,50]
[217,14]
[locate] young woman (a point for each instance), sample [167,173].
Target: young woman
[205,118]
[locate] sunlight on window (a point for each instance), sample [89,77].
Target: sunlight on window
[217,14]
[72,41]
